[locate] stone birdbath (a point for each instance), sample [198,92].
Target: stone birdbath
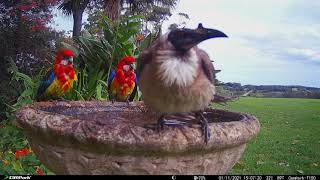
[94,137]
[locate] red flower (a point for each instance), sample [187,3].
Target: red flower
[23,152]
[34,4]
[18,153]
[41,27]
[53,2]
[39,171]
[23,7]
[38,21]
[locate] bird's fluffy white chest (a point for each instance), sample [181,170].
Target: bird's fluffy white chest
[174,71]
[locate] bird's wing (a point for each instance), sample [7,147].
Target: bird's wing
[45,83]
[210,72]
[206,65]
[144,58]
[112,75]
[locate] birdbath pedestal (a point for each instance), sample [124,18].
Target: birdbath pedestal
[94,137]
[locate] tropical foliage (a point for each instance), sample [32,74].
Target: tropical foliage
[99,54]
[27,40]
[96,56]
[29,50]
[16,155]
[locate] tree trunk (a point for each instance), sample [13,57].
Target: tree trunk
[112,9]
[77,23]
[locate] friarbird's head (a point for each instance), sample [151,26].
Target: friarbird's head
[184,39]
[177,56]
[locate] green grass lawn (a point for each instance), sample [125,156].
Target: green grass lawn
[289,138]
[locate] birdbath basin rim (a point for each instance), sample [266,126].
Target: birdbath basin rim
[101,126]
[95,137]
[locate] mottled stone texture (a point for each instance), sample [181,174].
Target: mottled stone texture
[102,138]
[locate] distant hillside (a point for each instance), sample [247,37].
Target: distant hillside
[236,89]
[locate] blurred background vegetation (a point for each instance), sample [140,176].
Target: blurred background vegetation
[114,28]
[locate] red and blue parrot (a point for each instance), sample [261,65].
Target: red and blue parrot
[122,82]
[60,79]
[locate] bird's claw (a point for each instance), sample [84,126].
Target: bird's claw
[204,128]
[205,132]
[162,121]
[174,122]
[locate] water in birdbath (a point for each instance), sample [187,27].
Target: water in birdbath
[135,115]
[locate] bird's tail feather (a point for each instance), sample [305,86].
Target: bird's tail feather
[222,100]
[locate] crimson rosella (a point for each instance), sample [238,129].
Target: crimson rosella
[122,82]
[60,79]
[175,76]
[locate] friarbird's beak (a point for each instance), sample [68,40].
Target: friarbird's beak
[184,39]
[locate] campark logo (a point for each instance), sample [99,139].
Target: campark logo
[18,177]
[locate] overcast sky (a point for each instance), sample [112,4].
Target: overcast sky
[274,42]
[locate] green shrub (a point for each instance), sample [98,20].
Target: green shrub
[12,142]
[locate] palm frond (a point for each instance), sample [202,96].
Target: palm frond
[68,6]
